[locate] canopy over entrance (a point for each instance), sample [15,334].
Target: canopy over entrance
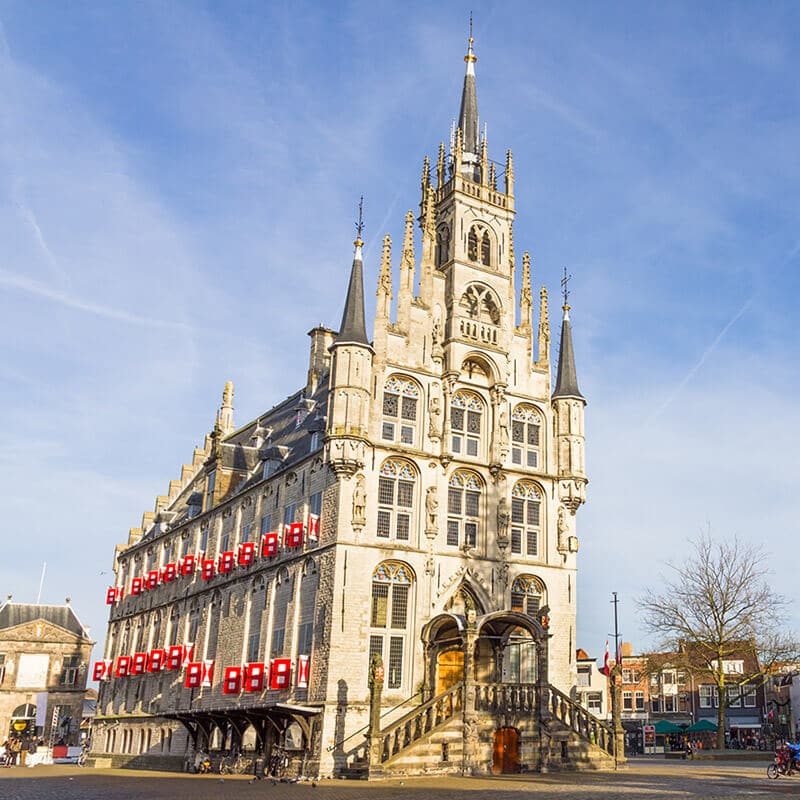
[702,726]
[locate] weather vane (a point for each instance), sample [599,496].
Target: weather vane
[360,223]
[470,26]
[565,286]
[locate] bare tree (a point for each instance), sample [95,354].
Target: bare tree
[718,604]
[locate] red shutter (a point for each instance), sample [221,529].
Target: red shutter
[170,572]
[139,663]
[156,660]
[175,657]
[302,672]
[207,567]
[280,672]
[232,682]
[123,666]
[293,535]
[188,564]
[226,561]
[269,545]
[255,675]
[153,578]
[194,675]
[136,586]
[247,553]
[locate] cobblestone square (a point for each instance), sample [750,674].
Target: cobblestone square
[643,779]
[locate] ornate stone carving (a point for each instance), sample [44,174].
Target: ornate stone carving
[359,503]
[435,413]
[503,517]
[431,511]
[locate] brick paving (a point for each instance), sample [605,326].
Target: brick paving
[641,780]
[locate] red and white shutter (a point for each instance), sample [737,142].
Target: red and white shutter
[188,653]
[102,670]
[170,572]
[280,673]
[313,527]
[153,578]
[247,554]
[188,563]
[136,586]
[232,682]
[156,660]
[207,567]
[194,675]
[269,545]
[208,673]
[175,657]
[302,672]
[255,675]
[293,534]
[111,596]
[226,562]
[138,663]
[123,667]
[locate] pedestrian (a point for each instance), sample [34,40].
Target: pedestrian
[24,744]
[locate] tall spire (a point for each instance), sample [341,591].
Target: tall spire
[468,116]
[353,329]
[566,377]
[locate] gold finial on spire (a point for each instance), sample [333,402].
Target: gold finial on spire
[440,167]
[509,173]
[470,57]
[565,290]
[360,224]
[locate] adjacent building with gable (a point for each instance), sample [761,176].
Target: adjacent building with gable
[379,573]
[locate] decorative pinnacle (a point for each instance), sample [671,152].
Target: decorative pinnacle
[360,223]
[385,280]
[426,173]
[565,289]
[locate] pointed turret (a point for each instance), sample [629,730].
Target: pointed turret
[468,115]
[566,377]
[544,330]
[353,329]
[384,292]
[225,413]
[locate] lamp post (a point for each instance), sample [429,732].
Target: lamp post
[615,676]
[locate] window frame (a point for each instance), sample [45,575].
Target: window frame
[396,515]
[527,507]
[467,406]
[391,620]
[407,394]
[526,418]
[465,503]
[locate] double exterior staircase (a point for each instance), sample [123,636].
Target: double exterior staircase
[430,738]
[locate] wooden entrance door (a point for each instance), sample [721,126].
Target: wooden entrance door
[506,751]
[449,669]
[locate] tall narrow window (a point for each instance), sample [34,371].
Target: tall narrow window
[245,533]
[526,424]
[391,598]
[400,409]
[254,635]
[526,512]
[395,500]
[463,510]
[466,415]
[527,593]
[472,244]
[210,483]
[155,633]
[442,245]
[485,249]
[289,513]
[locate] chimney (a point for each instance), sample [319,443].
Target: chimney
[319,359]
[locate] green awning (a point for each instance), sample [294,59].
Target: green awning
[665,726]
[702,726]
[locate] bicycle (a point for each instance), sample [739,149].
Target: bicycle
[233,764]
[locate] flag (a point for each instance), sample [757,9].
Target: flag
[226,562]
[302,672]
[313,527]
[269,545]
[293,534]
[170,572]
[247,554]
[606,668]
[254,676]
[280,671]
[156,660]
[232,682]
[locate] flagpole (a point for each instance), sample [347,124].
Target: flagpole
[41,584]
[616,693]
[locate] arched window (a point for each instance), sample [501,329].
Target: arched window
[466,420]
[442,245]
[527,595]
[526,425]
[155,634]
[479,245]
[174,627]
[479,303]
[395,500]
[463,510]
[392,582]
[400,401]
[526,512]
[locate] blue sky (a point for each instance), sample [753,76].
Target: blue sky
[178,185]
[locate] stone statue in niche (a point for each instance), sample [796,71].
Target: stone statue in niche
[359,503]
[435,414]
[502,522]
[431,509]
[563,528]
[436,336]
[502,425]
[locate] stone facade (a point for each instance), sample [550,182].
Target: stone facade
[44,657]
[446,473]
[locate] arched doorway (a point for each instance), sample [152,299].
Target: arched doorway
[449,669]
[505,756]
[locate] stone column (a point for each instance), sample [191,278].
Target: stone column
[616,715]
[470,736]
[374,740]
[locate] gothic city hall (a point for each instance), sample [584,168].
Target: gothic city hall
[377,576]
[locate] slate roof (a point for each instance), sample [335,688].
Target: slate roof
[354,329]
[566,377]
[13,614]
